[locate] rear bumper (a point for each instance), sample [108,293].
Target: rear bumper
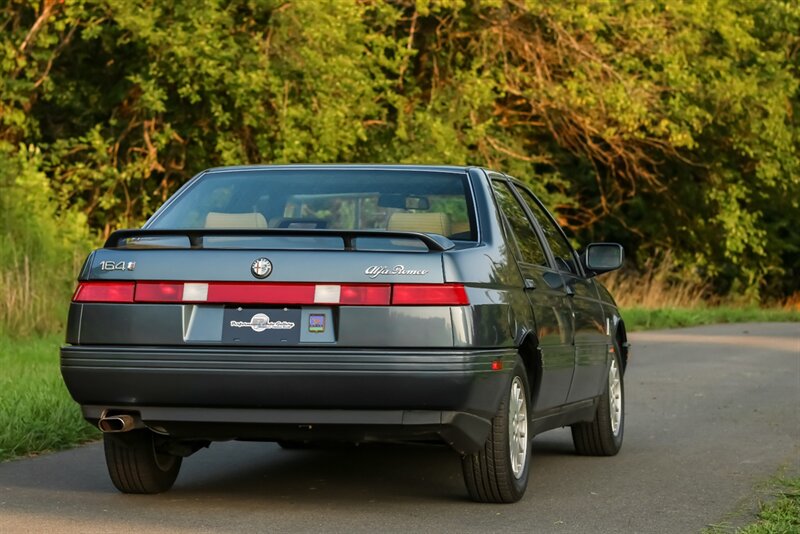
[222,393]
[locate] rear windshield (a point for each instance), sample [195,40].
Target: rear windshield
[415,201]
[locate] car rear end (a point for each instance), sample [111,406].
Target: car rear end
[290,304]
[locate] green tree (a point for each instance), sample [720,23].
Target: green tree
[666,126]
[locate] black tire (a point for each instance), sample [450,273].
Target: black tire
[136,465]
[488,473]
[598,438]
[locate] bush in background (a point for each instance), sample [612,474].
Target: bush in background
[668,126]
[41,247]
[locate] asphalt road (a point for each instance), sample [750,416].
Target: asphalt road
[712,412]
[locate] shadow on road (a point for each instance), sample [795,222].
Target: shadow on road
[236,471]
[326,473]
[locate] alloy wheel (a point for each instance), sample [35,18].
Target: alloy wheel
[517,427]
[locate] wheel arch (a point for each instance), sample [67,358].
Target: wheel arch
[622,340]
[532,358]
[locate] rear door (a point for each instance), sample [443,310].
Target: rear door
[551,307]
[591,340]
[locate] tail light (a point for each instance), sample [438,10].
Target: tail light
[158,292]
[429,295]
[366,295]
[273,293]
[104,292]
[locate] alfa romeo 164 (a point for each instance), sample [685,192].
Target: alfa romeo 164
[350,303]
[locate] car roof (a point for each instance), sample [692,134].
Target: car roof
[340,166]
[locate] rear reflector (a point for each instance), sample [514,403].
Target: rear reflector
[429,295]
[273,293]
[366,295]
[159,292]
[260,293]
[104,292]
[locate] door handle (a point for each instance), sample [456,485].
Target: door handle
[530,284]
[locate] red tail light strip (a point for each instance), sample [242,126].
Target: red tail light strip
[273,293]
[104,292]
[365,295]
[244,293]
[429,295]
[159,292]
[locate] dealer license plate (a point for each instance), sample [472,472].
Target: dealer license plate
[261,326]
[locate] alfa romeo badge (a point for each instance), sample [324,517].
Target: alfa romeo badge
[261,268]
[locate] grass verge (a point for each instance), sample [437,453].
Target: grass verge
[780,515]
[36,412]
[658,319]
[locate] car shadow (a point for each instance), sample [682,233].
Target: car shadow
[333,473]
[236,472]
[326,473]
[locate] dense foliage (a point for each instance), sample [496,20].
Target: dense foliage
[666,125]
[41,247]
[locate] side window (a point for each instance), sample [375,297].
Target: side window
[528,242]
[565,258]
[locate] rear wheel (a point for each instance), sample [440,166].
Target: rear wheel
[137,463]
[603,436]
[499,472]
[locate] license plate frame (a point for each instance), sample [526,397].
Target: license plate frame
[261,326]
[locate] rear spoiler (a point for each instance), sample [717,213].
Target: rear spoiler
[434,242]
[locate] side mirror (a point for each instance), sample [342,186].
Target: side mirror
[599,258]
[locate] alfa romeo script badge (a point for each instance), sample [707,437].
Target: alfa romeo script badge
[261,268]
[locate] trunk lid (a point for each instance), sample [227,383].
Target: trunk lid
[291,256]
[341,290]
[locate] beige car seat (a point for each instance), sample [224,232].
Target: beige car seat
[235,220]
[428,223]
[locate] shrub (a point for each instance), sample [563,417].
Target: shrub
[40,247]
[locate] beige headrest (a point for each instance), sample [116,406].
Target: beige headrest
[235,220]
[429,223]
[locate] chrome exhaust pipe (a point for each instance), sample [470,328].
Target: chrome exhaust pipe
[118,423]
